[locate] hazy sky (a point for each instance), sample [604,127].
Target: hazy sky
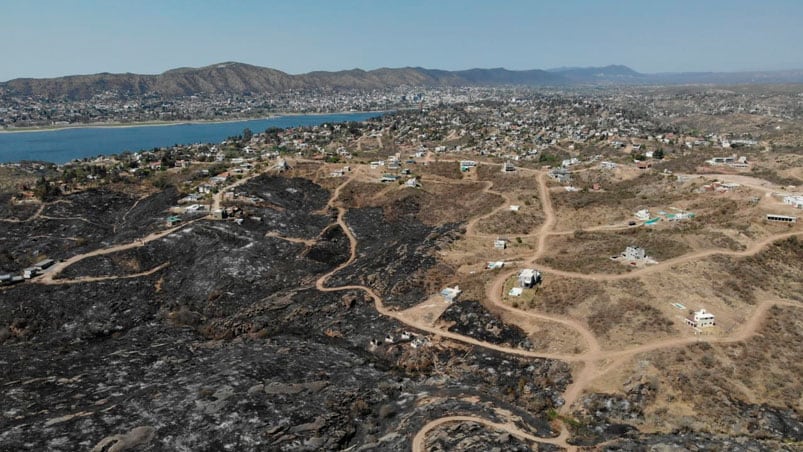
[53,38]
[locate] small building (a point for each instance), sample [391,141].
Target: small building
[529,278]
[495,265]
[386,178]
[172,221]
[514,208]
[449,294]
[701,319]
[781,218]
[500,244]
[466,165]
[634,253]
[642,215]
[30,272]
[43,264]
[219,214]
[796,201]
[515,292]
[412,183]
[508,167]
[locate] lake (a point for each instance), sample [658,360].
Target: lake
[61,146]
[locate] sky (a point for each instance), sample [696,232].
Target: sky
[63,37]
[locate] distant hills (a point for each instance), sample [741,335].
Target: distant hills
[239,78]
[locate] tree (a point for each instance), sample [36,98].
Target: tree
[658,155]
[247,134]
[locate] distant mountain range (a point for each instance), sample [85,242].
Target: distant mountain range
[239,78]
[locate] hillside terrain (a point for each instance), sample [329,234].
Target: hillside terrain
[487,276]
[239,79]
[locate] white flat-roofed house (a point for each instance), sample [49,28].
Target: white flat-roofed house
[701,319]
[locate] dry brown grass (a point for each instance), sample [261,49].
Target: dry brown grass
[507,222]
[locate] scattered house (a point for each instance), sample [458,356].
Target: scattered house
[607,165]
[466,165]
[337,173]
[781,218]
[514,208]
[388,178]
[796,201]
[43,264]
[529,278]
[449,294]
[219,214]
[634,253]
[30,272]
[172,221]
[282,165]
[569,162]
[500,243]
[731,161]
[701,319]
[508,167]
[515,292]
[641,164]
[412,183]
[560,174]
[495,265]
[642,215]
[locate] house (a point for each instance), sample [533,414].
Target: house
[508,167]
[642,215]
[643,165]
[219,214]
[43,264]
[30,272]
[388,178]
[560,174]
[796,201]
[515,292]
[172,221]
[607,165]
[569,162]
[412,183]
[529,278]
[701,319]
[495,265]
[466,165]
[500,244]
[449,294]
[634,253]
[514,208]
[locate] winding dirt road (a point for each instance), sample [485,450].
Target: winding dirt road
[592,361]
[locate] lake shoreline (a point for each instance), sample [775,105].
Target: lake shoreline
[124,125]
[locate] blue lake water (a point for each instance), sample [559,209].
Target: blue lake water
[60,146]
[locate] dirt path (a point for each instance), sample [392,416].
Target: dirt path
[49,276]
[31,218]
[85,279]
[419,441]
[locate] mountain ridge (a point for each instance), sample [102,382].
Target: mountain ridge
[241,78]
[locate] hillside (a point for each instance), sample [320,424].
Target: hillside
[240,78]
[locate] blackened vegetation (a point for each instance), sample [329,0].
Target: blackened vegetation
[471,436]
[393,254]
[470,318]
[231,345]
[287,205]
[81,222]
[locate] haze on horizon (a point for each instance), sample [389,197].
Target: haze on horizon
[50,38]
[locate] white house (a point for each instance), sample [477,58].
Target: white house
[449,294]
[701,319]
[529,277]
[796,201]
[500,244]
[634,253]
[642,214]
